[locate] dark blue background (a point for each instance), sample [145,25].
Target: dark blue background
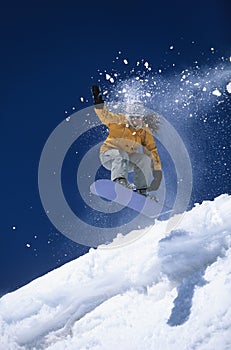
[49,52]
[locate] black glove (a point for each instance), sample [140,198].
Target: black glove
[97,96]
[155,184]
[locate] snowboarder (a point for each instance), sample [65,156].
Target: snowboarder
[120,151]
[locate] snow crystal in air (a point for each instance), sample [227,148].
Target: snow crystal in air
[108,77]
[13,227]
[228,87]
[193,89]
[28,245]
[146,65]
[81,99]
[216,92]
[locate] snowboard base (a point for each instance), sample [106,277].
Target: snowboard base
[113,191]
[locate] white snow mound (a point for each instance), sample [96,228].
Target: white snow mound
[158,292]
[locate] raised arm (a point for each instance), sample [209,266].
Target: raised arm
[101,110]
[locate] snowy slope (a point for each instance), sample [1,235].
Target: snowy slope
[158,292]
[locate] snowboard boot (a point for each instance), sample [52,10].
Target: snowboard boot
[142,191]
[123,182]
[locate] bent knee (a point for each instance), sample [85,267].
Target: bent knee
[142,160]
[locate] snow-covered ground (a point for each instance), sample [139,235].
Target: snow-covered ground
[157,292]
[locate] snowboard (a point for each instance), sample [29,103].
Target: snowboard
[113,191]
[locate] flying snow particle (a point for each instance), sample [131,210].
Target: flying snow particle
[28,245]
[216,92]
[204,89]
[146,65]
[68,119]
[148,94]
[108,77]
[125,61]
[171,47]
[81,99]
[228,87]
[13,227]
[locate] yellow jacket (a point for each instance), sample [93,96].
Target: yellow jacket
[122,136]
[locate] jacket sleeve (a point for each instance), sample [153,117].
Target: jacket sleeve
[149,148]
[107,117]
